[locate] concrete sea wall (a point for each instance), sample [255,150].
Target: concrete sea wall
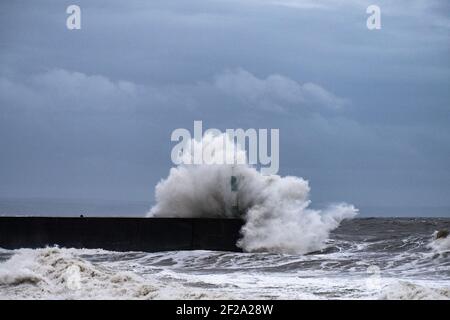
[120,234]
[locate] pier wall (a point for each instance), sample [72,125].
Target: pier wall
[120,234]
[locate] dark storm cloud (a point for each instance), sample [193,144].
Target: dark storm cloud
[363,114]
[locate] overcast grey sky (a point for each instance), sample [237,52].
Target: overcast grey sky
[363,115]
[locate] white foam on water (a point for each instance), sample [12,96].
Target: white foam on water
[55,273]
[407,290]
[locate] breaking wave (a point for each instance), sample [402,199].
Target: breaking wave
[57,273]
[404,290]
[276,209]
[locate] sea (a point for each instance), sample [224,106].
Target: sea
[364,258]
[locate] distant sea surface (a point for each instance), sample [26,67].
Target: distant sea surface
[72,207]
